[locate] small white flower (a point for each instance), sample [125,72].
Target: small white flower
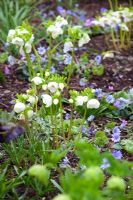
[11,35]
[25,96]
[57,93]
[19,107]
[47,100]
[84,40]
[30,114]
[85,99]
[28,47]
[18,41]
[79,101]
[68,46]
[60,21]
[56,101]
[44,87]
[52,86]
[61,86]
[37,80]
[32,99]
[47,74]
[93,103]
[55,31]
[21,117]
[70,101]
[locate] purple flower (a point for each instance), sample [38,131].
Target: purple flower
[32,57]
[76,5]
[43,60]
[65,163]
[111,88]
[116,134]
[41,50]
[68,59]
[11,60]
[110,99]
[82,17]
[6,70]
[123,124]
[90,131]
[83,129]
[52,70]
[89,23]
[61,10]
[83,82]
[90,118]
[98,59]
[117,154]
[105,164]
[121,103]
[67,116]
[98,93]
[102,10]
[71,13]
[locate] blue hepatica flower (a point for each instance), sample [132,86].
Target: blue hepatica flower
[123,124]
[82,17]
[98,93]
[67,116]
[83,82]
[90,118]
[43,60]
[52,70]
[105,164]
[121,103]
[116,134]
[32,57]
[98,59]
[61,10]
[71,13]
[65,163]
[11,60]
[83,129]
[89,22]
[117,154]
[68,59]
[41,50]
[90,131]
[110,99]
[102,10]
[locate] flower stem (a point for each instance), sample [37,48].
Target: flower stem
[61,119]
[71,123]
[49,53]
[38,60]
[30,69]
[71,67]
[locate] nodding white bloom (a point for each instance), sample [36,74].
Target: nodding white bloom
[68,46]
[19,107]
[47,74]
[44,87]
[61,86]
[79,101]
[70,101]
[18,41]
[47,100]
[124,27]
[52,86]
[85,99]
[93,103]
[84,40]
[55,101]
[55,31]
[32,99]
[28,47]
[37,80]
[30,113]
[11,35]
[60,21]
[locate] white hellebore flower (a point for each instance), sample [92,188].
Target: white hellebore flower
[79,101]
[30,113]
[17,41]
[84,40]
[44,87]
[55,101]
[47,100]
[60,21]
[11,35]
[19,107]
[93,103]
[32,99]
[61,86]
[52,86]
[68,46]
[28,47]
[55,31]
[37,80]
[85,99]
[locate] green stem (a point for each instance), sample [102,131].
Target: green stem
[110,4]
[71,123]
[56,132]
[52,121]
[49,53]
[113,39]
[71,67]
[38,60]
[84,119]
[61,119]
[29,64]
